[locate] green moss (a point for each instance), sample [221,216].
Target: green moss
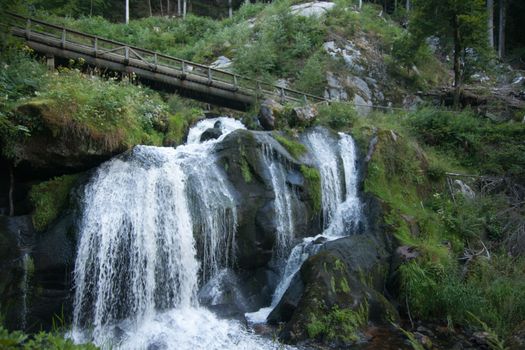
[296,149]
[338,324]
[313,182]
[344,287]
[50,198]
[245,170]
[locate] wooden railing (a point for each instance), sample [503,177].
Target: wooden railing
[58,36]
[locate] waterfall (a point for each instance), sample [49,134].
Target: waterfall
[326,156]
[136,270]
[283,201]
[336,160]
[136,252]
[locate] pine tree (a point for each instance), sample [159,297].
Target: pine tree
[460,23]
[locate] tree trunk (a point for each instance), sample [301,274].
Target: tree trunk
[11,190]
[230,9]
[168,7]
[502,25]
[408,5]
[184,4]
[127,11]
[490,22]
[179,9]
[161,9]
[149,7]
[457,62]
[360,4]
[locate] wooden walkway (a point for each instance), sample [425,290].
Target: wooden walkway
[155,69]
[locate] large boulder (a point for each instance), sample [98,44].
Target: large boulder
[269,113]
[242,157]
[312,9]
[305,115]
[340,289]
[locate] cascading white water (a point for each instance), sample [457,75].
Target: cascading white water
[283,202]
[136,271]
[340,203]
[136,253]
[328,161]
[225,124]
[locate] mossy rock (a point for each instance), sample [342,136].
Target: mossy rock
[49,198]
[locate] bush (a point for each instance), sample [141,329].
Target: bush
[338,116]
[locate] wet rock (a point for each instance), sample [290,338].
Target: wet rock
[331,281]
[16,234]
[241,152]
[224,295]
[211,134]
[268,113]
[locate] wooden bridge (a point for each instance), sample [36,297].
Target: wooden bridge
[151,68]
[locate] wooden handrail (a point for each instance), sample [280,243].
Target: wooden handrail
[259,87]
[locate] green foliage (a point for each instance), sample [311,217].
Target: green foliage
[20,75]
[20,341]
[460,23]
[338,324]
[477,143]
[336,115]
[183,114]
[313,182]
[295,148]
[110,112]
[49,198]
[277,43]
[407,172]
[312,78]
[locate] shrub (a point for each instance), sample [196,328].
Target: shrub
[338,116]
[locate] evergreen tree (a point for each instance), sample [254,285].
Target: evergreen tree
[461,24]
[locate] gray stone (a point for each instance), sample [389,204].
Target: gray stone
[211,134]
[312,9]
[222,62]
[268,113]
[362,106]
